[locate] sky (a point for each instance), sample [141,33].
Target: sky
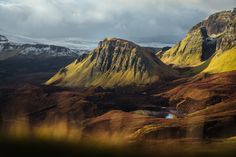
[164,21]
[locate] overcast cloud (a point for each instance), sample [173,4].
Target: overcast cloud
[140,20]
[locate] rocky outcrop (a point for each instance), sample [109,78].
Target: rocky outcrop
[228,39]
[217,23]
[224,59]
[195,48]
[115,62]
[203,40]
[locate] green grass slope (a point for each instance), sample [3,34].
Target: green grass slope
[222,62]
[187,52]
[219,63]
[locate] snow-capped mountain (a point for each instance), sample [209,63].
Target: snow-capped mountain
[72,43]
[15,45]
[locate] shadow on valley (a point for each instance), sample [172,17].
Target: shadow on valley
[18,70]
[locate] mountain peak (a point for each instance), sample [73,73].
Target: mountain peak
[115,62]
[215,33]
[117,42]
[217,22]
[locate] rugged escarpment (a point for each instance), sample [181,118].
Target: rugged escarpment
[203,40]
[217,23]
[115,62]
[195,48]
[224,59]
[227,39]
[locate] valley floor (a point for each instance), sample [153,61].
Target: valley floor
[197,111]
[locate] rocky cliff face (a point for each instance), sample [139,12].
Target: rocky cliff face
[203,40]
[228,38]
[115,62]
[216,23]
[195,48]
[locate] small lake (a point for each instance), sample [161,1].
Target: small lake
[170,116]
[159,114]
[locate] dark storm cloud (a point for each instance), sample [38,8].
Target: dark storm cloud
[143,20]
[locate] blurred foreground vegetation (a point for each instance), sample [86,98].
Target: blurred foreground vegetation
[39,147]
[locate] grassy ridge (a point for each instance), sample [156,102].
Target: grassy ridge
[218,63]
[186,52]
[222,62]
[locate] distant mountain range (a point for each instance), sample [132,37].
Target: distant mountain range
[23,59]
[72,43]
[11,48]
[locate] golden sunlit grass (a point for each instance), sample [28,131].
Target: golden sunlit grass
[218,63]
[61,130]
[63,139]
[187,52]
[18,128]
[222,62]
